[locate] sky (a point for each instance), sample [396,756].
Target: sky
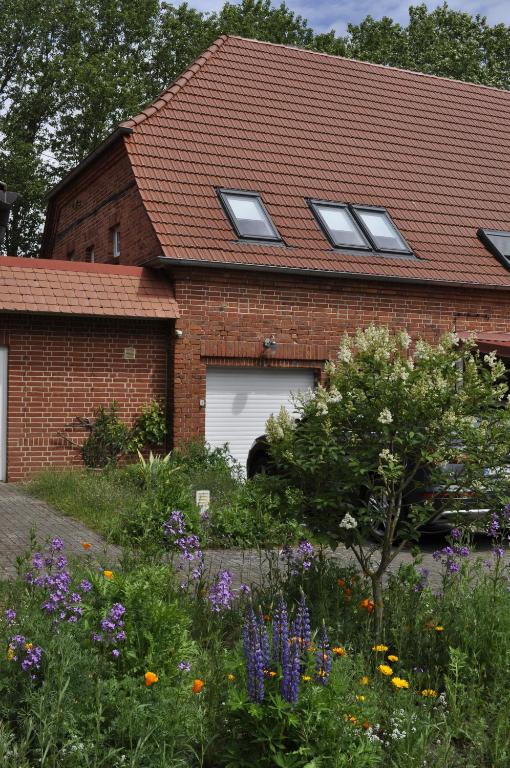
[324,15]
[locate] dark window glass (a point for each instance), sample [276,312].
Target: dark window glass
[498,242]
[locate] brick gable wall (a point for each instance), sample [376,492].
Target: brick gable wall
[83,214]
[61,367]
[225,316]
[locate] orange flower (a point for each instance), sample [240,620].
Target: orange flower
[272,673]
[86,545]
[108,575]
[366,725]
[150,678]
[266,617]
[348,591]
[341,583]
[197,686]
[368,605]
[339,651]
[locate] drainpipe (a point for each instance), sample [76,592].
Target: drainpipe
[6,201]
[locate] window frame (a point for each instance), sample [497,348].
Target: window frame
[223,193]
[116,242]
[484,235]
[354,208]
[313,203]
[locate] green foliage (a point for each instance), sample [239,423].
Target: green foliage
[149,429]
[64,85]
[108,439]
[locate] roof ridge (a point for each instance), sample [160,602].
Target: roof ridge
[121,270]
[174,88]
[371,63]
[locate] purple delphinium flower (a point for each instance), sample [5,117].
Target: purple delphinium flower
[175,532]
[254,656]
[299,559]
[450,557]
[115,653]
[291,673]
[244,589]
[456,534]
[221,594]
[57,545]
[323,658]
[97,637]
[498,552]
[10,616]
[85,585]
[494,526]
[37,561]
[32,660]
[184,666]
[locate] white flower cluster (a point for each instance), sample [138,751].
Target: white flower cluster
[348,522]
[387,456]
[385,417]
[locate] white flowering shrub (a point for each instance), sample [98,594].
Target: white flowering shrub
[387,424]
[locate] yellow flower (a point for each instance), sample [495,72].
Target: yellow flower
[150,678]
[429,693]
[311,648]
[399,683]
[108,574]
[231,677]
[339,651]
[10,654]
[384,669]
[439,628]
[351,719]
[380,648]
[392,657]
[364,680]
[360,698]
[306,678]
[272,673]
[28,646]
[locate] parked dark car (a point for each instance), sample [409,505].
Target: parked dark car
[448,502]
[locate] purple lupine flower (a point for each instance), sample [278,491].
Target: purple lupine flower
[291,673]
[10,616]
[184,666]
[264,642]
[253,655]
[85,585]
[221,595]
[280,632]
[323,658]
[300,627]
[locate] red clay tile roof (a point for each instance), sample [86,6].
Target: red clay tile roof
[293,124]
[73,288]
[490,340]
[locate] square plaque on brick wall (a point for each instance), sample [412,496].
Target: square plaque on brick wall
[129,353]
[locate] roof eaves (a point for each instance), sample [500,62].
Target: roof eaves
[168,261]
[166,96]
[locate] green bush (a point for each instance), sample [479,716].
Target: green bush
[149,429]
[108,439]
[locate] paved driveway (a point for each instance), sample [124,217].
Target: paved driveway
[19,513]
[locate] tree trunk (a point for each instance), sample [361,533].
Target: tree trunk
[377,592]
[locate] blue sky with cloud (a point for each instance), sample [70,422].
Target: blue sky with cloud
[324,15]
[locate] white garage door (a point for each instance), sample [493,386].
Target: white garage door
[239,401]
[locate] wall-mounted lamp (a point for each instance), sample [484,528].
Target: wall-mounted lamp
[270,343]
[178,333]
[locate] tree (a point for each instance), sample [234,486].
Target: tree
[388,424]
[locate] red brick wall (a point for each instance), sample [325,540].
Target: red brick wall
[83,214]
[61,367]
[225,316]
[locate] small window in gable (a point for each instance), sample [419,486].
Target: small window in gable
[90,254]
[339,225]
[380,229]
[116,243]
[248,215]
[498,243]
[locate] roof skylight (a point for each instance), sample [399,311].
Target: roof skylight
[339,225]
[248,215]
[380,229]
[498,243]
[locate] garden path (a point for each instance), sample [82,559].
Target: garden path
[21,513]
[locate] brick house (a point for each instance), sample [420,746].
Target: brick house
[285,197]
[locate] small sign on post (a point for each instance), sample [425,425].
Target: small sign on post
[203,500]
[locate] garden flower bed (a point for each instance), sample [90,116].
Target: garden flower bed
[149,664]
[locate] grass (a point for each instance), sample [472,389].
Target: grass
[97,499]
